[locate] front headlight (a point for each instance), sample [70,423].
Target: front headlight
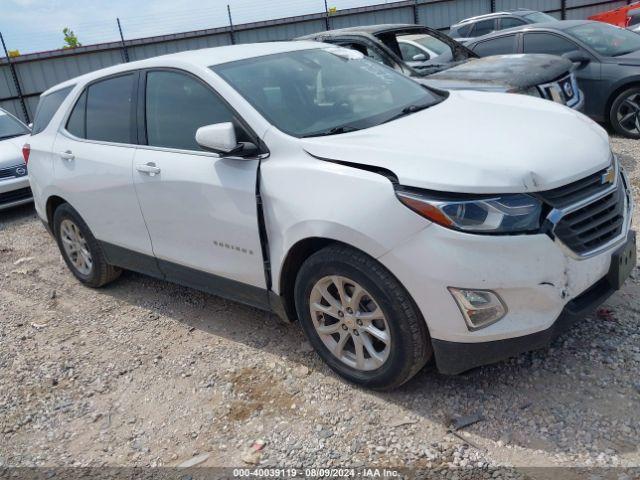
[515,213]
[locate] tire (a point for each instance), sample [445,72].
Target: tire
[87,264]
[407,347]
[624,115]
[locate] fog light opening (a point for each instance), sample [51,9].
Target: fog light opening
[480,308]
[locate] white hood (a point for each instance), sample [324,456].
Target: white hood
[11,151]
[477,142]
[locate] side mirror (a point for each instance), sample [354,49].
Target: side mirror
[578,57]
[221,138]
[420,57]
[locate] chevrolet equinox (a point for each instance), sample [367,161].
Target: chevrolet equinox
[396,222]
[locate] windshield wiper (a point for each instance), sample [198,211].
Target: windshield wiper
[332,131]
[408,110]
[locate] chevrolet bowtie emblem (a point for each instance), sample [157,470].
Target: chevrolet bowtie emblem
[609,176]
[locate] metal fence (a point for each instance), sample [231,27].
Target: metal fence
[24,78]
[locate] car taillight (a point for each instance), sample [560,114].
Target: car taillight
[26,150]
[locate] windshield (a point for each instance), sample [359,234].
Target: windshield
[323,91]
[539,17]
[10,127]
[606,39]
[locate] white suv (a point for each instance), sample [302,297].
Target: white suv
[397,223]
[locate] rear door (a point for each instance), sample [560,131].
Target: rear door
[93,157]
[200,209]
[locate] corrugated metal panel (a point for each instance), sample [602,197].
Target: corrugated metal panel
[37,76]
[7,88]
[542,5]
[13,107]
[140,52]
[585,12]
[390,15]
[444,14]
[608,6]
[279,32]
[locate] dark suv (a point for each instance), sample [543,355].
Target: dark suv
[470,28]
[606,58]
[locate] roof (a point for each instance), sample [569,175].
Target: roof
[516,11]
[557,25]
[204,57]
[363,29]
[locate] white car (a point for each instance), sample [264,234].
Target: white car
[14,182]
[397,223]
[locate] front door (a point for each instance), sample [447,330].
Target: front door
[200,209]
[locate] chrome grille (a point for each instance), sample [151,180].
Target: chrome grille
[577,191]
[593,225]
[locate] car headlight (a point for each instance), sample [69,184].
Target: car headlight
[513,213]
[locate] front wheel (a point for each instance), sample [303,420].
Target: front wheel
[360,319]
[625,113]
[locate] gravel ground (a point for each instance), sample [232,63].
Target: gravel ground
[148,373]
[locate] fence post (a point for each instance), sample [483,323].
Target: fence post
[232,33]
[327,25]
[563,9]
[415,12]
[125,52]
[16,83]
[493,6]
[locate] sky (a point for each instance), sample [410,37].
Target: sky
[36,25]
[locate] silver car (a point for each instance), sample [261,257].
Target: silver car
[14,182]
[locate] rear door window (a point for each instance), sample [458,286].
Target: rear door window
[47,108]
[463,31]
[547,43]
[496,46]
[109,110]
[483,27]
[510,22]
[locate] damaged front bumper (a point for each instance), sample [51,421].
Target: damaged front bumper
[544,287]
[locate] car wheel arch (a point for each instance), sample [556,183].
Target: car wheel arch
[633,83]
[53,202]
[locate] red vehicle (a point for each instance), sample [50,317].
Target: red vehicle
[622,17]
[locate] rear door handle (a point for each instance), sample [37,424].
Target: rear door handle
[148,168]
[67,155]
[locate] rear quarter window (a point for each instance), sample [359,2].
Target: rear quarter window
[47,108]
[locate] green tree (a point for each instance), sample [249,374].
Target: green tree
[70,39]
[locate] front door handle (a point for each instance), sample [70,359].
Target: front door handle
[148,168]
[67,155]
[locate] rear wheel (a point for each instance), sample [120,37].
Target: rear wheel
[360,319]
[625,113]
[79,248]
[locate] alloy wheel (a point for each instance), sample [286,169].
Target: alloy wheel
[628,114]
[350,323]
[75,246]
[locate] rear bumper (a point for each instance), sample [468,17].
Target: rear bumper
[455,357]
